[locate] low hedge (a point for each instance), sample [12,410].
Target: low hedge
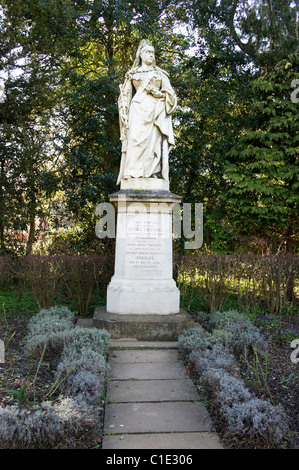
[212,357]
[79,384]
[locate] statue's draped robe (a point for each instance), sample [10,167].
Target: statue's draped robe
[145,124]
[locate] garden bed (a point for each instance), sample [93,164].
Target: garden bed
[52,396]
[272,377]
[266,371]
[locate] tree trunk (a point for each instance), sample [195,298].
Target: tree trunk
[31,235]
[290,251]
[2,206]
[2,246]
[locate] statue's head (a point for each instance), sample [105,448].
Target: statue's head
[144,47]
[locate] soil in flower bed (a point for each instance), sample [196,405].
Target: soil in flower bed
[278,381]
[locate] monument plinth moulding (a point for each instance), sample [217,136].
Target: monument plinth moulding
[143,301]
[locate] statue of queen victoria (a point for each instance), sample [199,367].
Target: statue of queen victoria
[146,103]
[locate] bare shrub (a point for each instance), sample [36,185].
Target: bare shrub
[252,279]
[207,276]
[79,279]
[42,272]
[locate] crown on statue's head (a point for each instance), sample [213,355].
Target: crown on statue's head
[145,42]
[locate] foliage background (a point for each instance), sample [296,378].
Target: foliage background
[236,128]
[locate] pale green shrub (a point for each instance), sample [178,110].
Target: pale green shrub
[79,378]
[94,338]
[244,414]
[46,425]
[86,385]
[225,387]
[88,359]
[211,355]
[236,337]
[49,326]
[224,337]
[257,419]
[56,318]
[83,363]
[217,358]
[195,339]
[235,331]
[221,319]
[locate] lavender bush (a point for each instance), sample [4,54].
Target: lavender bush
[52,327]
[79,380]
[212,356]
[236,331]
[45,425]
[258,419]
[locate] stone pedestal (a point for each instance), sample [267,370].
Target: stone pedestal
[143,300]
[143,280]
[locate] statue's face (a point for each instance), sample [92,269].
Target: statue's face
[148,55]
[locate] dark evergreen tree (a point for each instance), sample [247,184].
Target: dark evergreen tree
[263,166]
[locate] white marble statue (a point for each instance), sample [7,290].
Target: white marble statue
[146,103]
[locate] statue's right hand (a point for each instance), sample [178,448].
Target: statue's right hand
[155,92]
[158,94]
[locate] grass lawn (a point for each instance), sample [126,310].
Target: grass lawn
[15,304]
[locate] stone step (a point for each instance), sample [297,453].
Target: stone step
[178,440]
[132,343]
[127,391]
[129,356]
[158,417]
[143,371]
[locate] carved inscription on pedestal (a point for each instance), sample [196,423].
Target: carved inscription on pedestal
[146,246]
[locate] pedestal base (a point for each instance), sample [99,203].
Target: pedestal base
[143,327]
[147,297]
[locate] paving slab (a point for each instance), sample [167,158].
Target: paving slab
[135,344]
[151,370]
[128,391]
[152,403]
[179,416]
[129,356]
[189,440]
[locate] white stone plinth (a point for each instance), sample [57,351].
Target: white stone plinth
[143,280]
[145,184]
[148,297]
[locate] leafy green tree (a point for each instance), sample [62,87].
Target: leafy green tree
[235,42]
[213,96]
[262,167]
[27,176]
[264,30]
[59,126]
[74,53]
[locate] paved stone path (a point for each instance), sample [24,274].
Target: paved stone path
[152,402]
